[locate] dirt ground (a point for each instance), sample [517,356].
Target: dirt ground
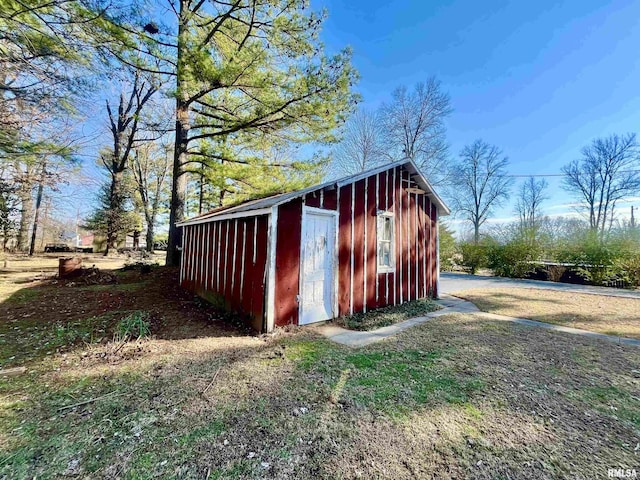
[51,316]
[598,313]
[458,397]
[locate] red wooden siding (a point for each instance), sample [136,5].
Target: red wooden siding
[287,274]
[344,250]
[225,262]
[360,286]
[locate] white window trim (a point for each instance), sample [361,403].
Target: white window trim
[385,268]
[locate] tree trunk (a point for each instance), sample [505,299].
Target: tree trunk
[476,233]
[115,211]
[179,183]
[201,195]
[26,209]
[44,223]
[179,187]
[32,246]
[150,221]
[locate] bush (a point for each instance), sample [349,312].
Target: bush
[513,259]
[628,268]
[594,258]
[134,325]
[474,256]
[447,248]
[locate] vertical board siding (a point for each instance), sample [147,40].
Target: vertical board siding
[208,267]
[287,274]
[432,247]
[313,200]
[371,244]
[381,278]
[330,199]
[344,250]
[358,247]
[227,259]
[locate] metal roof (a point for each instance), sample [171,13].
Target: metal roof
[261,206]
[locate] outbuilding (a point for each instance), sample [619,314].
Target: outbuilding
[345,246]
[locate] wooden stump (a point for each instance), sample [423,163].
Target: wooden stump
[69,267]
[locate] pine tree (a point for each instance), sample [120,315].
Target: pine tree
[240,70]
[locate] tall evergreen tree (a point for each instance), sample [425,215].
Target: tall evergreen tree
[241,68]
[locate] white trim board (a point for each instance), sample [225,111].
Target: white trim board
[270,270]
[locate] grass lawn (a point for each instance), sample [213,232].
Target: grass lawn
[381,317]
[598,313]
[458,397]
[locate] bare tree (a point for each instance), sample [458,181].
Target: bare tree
[361,146]
[125,129]
[24,176]
[530,196]
[413,125]
[606,173]
[150,168]
[480,183]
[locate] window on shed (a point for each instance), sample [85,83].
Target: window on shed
[386,242]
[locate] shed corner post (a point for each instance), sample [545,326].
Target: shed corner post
[181,247]
[437,254]
[271,268]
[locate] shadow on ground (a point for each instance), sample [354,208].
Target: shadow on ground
[50,316]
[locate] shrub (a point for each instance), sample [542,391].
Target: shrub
[513,259]
[447,248]
[594,258]
[474,256]
[134,325]
[627,267]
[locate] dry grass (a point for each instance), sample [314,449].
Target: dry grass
[598,313]
[20,271]
[459,397]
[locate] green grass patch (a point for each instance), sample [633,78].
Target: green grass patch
[309,353]
[396,381]
[210,430]
[23,296]
[381,317]
[115,287]
[386,380]
[135,325]
[33,338]
[612,401]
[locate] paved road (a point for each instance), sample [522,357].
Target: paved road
[454,282]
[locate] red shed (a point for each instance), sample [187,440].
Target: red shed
[333,249]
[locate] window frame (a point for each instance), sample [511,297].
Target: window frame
[381,215]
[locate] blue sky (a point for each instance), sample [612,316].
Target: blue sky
[538,79]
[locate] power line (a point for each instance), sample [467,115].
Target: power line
[513,175]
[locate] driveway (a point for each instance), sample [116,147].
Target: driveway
[455,282]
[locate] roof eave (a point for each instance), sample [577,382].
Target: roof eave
[443,210]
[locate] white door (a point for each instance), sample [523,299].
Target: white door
[318,256]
